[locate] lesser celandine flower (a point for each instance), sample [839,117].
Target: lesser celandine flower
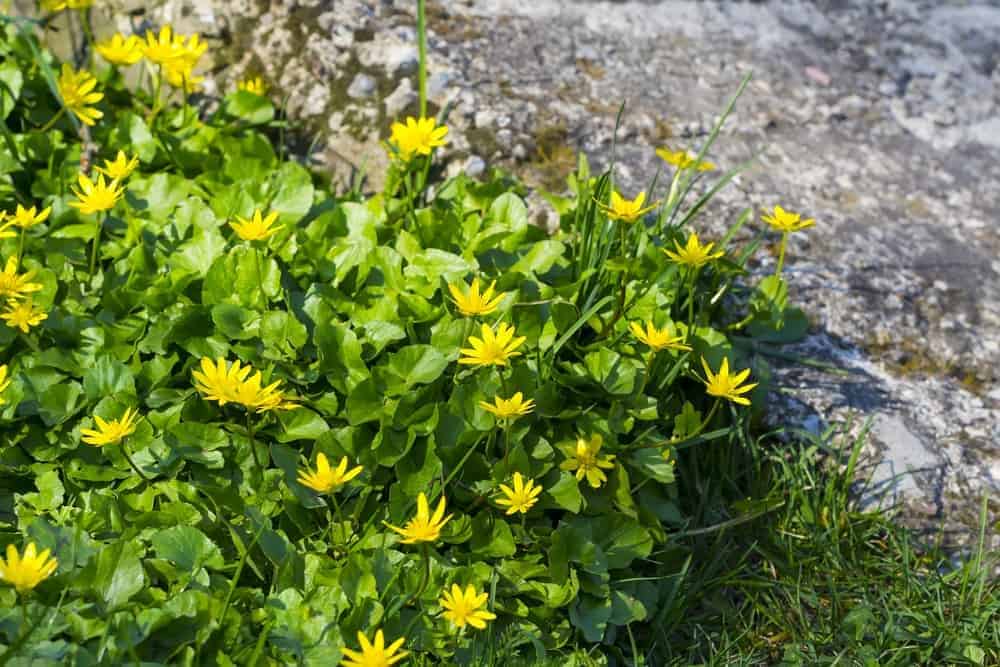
[508,408]
[253,84]
[26,218]
[786,221]
[326,479]
[252,395]
[374,654]
[256,228]
[95,196]
[4,382]
[466,607]
[683,160]
[659,339]
[59,5]
[418,136]
[111,432]
[120,168]
[423,527]
[522,497]
[24,572]
[493,348]
[23,315]
[627,210]
[470,302]
[179,71]
[162,48]
[120,50]
[78,95]
[585,459]
[724,385]
[14,286]
[693,254]
[219,381]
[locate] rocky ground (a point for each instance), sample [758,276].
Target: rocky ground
[880,119]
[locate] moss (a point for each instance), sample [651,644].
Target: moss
[909,358]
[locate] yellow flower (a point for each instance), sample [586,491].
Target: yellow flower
[13,286]
[683,159]
[4,382]
[724,385]
[179,71]
[59,5]
[786,221]
[78,95]
[417,137]
[96,196]
[492,349]
[522,497]
[326,479]
[218,381]
[627,210]
[251,395]
[508,408]
[375,654]
[120,50]
[27,571]
[659,339]
[120,168]
[693,254]
[111,432]
[23,315]
[162,48]
[29,217]
[464,608]
[471,302]
[253,84]
[585,460]
[423,527]
[256,228]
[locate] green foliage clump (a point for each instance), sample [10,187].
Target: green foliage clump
[194,534]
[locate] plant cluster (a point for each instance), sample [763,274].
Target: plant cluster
[248,420]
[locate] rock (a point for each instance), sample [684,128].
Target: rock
[361,87]
[474,166]
[881,120]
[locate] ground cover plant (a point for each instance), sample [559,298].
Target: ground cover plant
[249,419]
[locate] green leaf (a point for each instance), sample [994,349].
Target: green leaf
[590,615]
[188,548]
[300,424]
[617,374]
[340,356]
[11,81]
[650,460]
[117,574]
[687,422]
[412,365]
[106,378]
[491,536]
[248,107]
[566,492]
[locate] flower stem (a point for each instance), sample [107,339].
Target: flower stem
[20,246]
[253,445]
[781,253]
[691,286]
[93,250]
[52,121]
[426,574]
[422,53]
[128,458]
[340,516]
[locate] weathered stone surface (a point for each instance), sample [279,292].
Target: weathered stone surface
[881,120]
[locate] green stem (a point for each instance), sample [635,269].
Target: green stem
[88,32]
[781,253]
[645,375]
[93,250]
[425,551]
[157,83]
[128,458]
[20,246]
[691,286]
[340,515]
[52,121]
[260,277]
[422,53]
[253,445]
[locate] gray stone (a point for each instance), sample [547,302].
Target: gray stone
[362,86]
[475,166]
